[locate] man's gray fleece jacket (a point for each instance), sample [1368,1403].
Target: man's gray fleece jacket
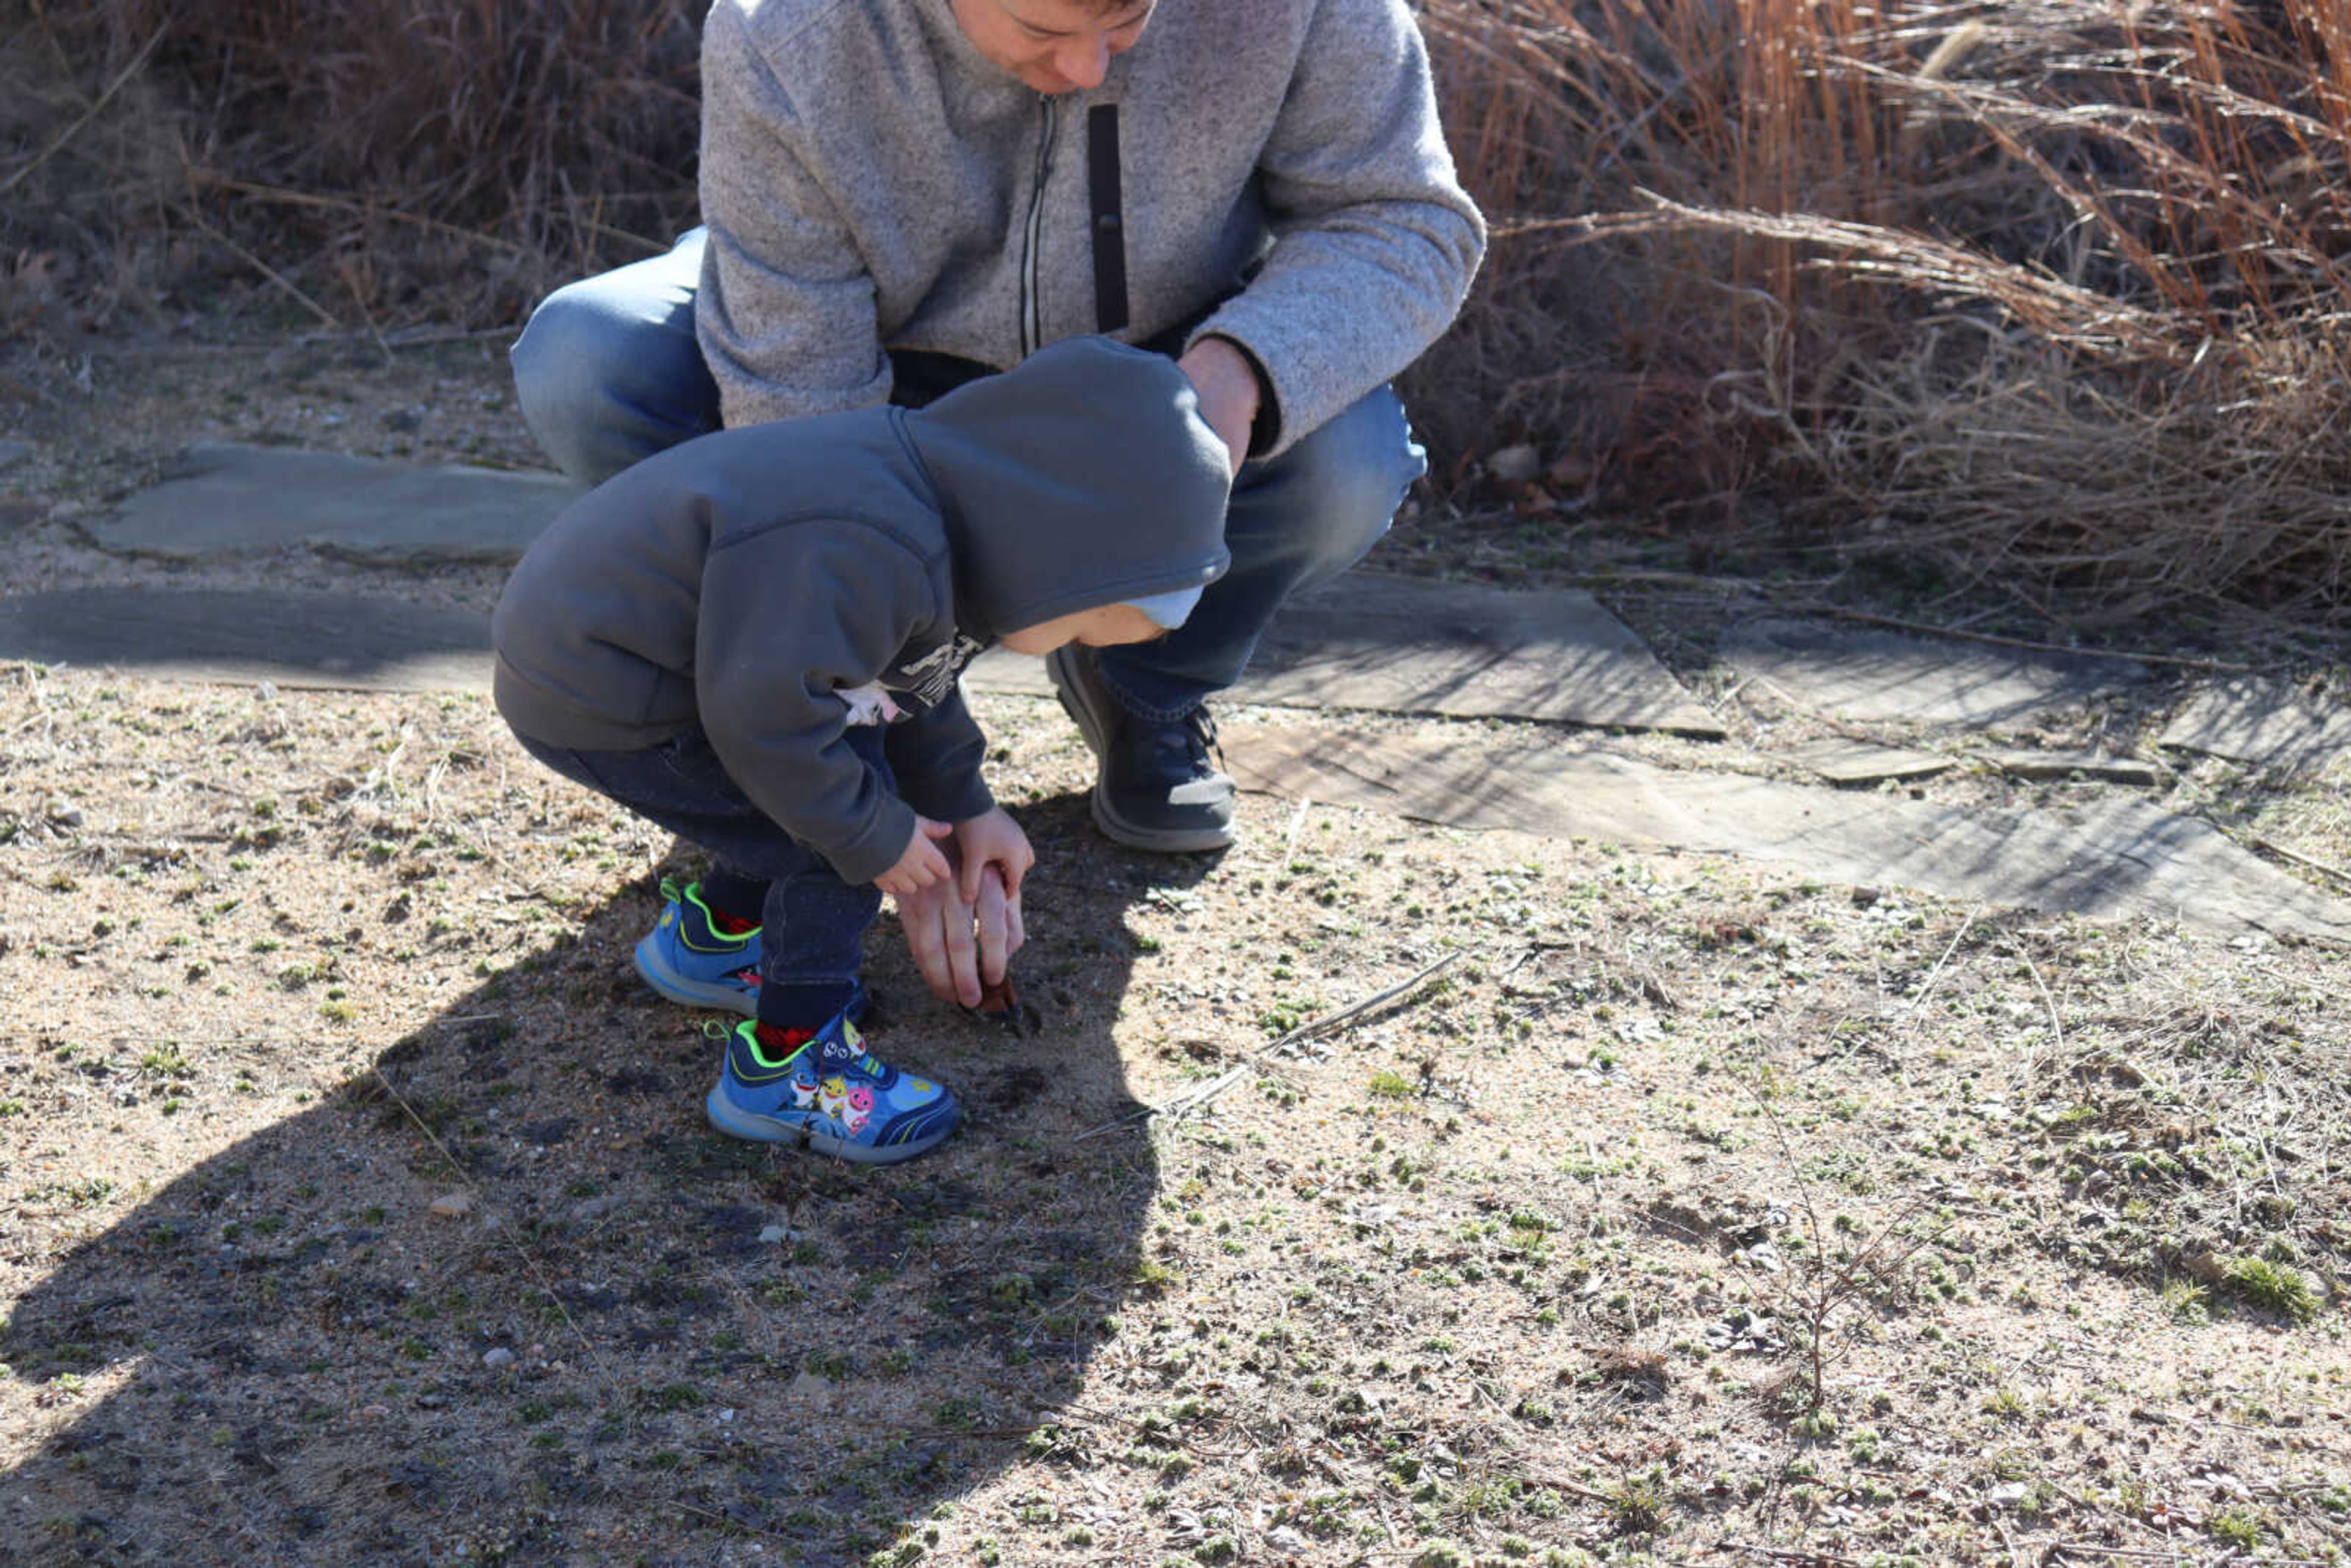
[748,580]
[870,182]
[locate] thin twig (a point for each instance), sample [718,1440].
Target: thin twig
[2056,1025]
[529,1261]
[1297,822]
[2056,1549]
[2271,846]
[1792,1554]
[2176,661]
[1919,1001]
[325,315]
[1257,1060]
[291,198]
[70,131]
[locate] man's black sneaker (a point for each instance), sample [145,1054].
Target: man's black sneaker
[1155,788]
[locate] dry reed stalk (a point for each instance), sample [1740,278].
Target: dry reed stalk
[2057,290]
[2054,291]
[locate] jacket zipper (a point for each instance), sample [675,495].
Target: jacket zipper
[1032,325]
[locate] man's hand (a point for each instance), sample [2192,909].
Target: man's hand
[921,864]
[961,946]
[1229,393]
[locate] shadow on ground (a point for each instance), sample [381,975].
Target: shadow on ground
[644,1342]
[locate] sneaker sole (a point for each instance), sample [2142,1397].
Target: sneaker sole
[693,993]
[757,1129]
[1093,729]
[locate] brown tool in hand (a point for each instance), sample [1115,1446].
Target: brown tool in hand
[1002,1004]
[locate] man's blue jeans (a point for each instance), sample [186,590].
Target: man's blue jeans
[813,942]
[609,372]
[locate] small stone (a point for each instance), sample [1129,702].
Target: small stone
[597,1208]
[497,1357]
[1515,464]
[774,1234]
[2008,1494]
[2035,766]
[1859,762]
[451,1206]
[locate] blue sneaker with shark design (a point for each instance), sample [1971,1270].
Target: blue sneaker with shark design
[688,959]
[826,1092]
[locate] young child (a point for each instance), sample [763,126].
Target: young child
[752,640]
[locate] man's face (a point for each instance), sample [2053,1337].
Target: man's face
[1053,46]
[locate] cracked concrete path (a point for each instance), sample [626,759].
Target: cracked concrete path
[1540,662]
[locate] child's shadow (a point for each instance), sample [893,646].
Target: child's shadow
[640,1337]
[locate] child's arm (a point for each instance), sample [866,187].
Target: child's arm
[768,673]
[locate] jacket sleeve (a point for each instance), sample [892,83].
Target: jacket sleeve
[1375,240]
[785,312]
[936,756]
[769,660]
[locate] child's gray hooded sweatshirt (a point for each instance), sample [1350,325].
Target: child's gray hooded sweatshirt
[760,581]
[871,181]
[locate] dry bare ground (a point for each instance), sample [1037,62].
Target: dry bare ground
[1688,1215]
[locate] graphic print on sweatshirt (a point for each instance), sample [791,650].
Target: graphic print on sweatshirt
[925,680]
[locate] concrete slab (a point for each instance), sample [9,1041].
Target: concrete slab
[2090,764]
[225,498]
[1860,674]
[1407,645]
[332,640]
[2116,858]
[1856,762]
[2268,722]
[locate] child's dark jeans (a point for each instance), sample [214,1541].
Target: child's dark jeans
[813,943]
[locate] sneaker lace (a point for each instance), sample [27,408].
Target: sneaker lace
[1196,733]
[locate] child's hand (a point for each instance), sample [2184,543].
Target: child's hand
[922,863]
[992,838]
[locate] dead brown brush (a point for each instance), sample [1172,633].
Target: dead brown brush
[378,163]
[2055,292]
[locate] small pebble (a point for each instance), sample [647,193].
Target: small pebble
[451,1206]
[501,1357]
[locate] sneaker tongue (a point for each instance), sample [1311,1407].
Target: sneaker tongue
[844,1046]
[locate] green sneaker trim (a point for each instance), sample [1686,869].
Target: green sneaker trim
[692,894]
[749,1029]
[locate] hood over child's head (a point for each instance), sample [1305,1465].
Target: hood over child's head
[1083,477]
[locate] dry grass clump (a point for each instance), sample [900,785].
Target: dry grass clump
[377,162]
[2056,292]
